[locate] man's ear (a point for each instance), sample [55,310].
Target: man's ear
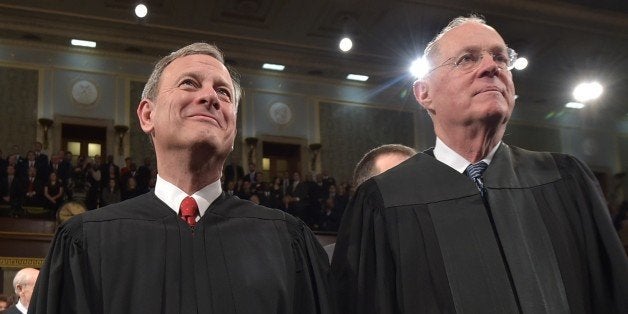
[145,112]
[422,94]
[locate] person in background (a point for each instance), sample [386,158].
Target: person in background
[5,302]
[379,160]
[111,193]
[11,191]
[131,190]
[53,194]
[23,284]
[374,162]
[32,189]
[186,247]
[233,171]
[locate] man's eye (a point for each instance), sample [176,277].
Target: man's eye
[500,58]
[188,82]
[466,58]
[225,92]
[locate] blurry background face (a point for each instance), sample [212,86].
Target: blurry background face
[456,96]
[194,105]
[387,161]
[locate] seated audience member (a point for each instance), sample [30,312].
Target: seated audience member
[131,172]
[10,188]
[245,192]
[263,193]
[252,175]
[300,195]
[144,174]
[276,193]
[5,302]
[53,194]
[131,190]
[287,204]
[127,166]
[32,189]
[230,188]
[110,194]
[40,164]
[69,210]
[109,171]
[23,285]
[3,164]
[328,219]
[233,171]
[93,179]
[255,199]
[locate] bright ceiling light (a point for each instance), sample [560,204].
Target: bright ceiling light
[357,77]
[274,67]
[521,63]
[141,10]
[574,105]
[587,91]
[345,44]
[83,43]
[419,67]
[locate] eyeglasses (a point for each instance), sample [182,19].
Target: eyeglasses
[471,59]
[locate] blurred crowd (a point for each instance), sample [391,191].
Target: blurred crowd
[35,180]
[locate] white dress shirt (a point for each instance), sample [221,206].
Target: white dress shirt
[452,159]
[172,195]
[21,307]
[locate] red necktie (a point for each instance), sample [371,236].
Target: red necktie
[188,210]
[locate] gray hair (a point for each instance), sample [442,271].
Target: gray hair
[25,276]
[365,168]
[152,86]
[431,50]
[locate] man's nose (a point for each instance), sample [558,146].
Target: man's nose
[488,66]
[209,98]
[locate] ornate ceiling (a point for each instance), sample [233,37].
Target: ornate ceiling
[565,41]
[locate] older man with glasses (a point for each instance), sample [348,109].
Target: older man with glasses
[474,225]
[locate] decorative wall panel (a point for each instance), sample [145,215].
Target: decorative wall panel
[349,131]
[533,137]
[141,146]
[18,107]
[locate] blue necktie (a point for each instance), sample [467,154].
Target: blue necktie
[475,171]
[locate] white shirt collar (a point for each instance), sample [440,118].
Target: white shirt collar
[448,156]
[21,307]
[172,195]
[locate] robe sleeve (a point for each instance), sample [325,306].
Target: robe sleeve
[312,289]
[61,287]
[607,261]
[362,268]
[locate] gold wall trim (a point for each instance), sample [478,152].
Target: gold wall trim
[21,262]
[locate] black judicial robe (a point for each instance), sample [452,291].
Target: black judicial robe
[419,239]
[139,257]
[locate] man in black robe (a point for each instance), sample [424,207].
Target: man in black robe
[530,235]
[139,256]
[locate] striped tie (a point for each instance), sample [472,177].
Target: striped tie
[475,171]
